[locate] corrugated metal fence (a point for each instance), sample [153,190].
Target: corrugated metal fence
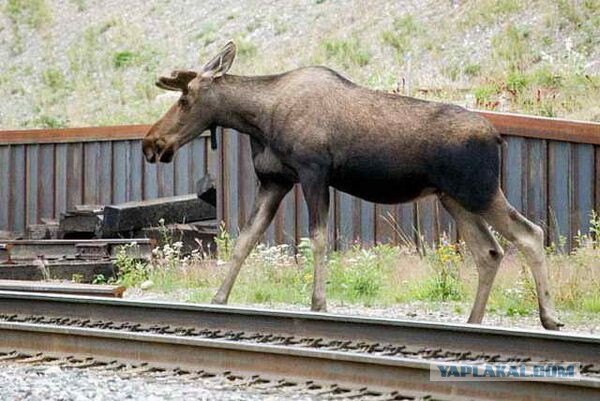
[550,171]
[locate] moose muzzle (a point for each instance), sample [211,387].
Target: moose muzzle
[157,151]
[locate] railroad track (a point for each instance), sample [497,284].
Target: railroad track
[343,356]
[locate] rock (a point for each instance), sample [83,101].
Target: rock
[54,370]
[146,285]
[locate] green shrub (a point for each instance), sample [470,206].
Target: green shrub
[245,48]
[472,70]
[486,12]
[483,94]
[53,78]
[346,52]
[401,37]
[545,77]
[444,284]
[130,271]
[46,121]
[516,82]
[124,59]
[224,243]
[511,47]
[34,13]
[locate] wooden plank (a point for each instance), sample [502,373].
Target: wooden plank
[105,173]
[218,163]
[536,182]
[136,178]
[183,171]
[4,187]
[583,182]
[331,230]
[59,270]
[91,190]
[278,224]
[507,124]
[290,219]
[69,135]
[544,128]
[445,223]
[166,179]
[233,167]
[301,214]
[426,220]
[60,179]
[120,167]
[406,228]
[74,174]
[597,180]
[194,236]
[247,180]
[136,215]
[82,223]
[61,248]
[198,159]
[150,174]
[384,224]
[512,177]
[16,204]
[367,226]
[559,192]
[46,181]
[32,184]
[111,291]
[344,218]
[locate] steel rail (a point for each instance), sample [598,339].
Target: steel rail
[407,376]
[539,345]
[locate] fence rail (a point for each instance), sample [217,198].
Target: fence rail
[550,171]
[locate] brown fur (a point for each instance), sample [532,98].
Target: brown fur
[314,127]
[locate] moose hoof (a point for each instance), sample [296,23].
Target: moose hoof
[319,307]
[218,300]
[551,323]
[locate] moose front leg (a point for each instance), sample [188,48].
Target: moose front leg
[267,201]
[317,200]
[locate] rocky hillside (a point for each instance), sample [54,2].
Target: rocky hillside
[94,62]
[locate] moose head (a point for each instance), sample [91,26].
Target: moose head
[194,111]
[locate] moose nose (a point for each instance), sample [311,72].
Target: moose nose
[148,149]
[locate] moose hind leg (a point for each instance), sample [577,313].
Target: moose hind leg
[316,194]
[529,238]
[485,250]
[267,201]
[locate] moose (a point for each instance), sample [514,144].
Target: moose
[314,127]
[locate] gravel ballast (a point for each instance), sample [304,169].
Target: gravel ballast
[43,382]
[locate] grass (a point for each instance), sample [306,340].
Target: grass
[381,275]
[346,52]
[489,53]
[246,49]
[35,13]
[124,59]
[207,34]
[485,12]
[402,37]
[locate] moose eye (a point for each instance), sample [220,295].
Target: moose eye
[183,102]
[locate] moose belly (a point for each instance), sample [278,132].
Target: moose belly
[382,186]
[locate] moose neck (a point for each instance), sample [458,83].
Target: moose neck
[246,104]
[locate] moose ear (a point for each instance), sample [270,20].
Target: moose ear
[178,80]
[221,63]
